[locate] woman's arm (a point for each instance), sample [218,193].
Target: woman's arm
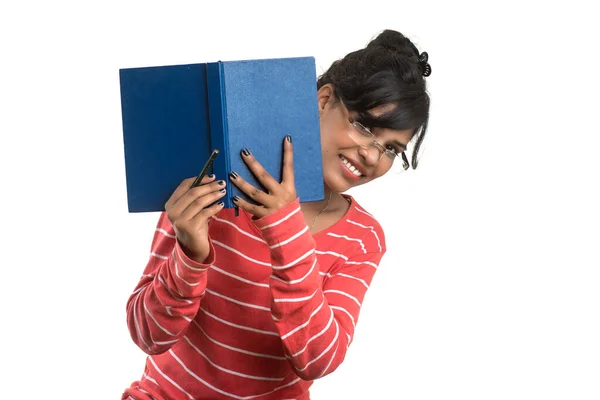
[168,294]
[315,316]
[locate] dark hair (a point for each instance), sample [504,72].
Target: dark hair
[388,70]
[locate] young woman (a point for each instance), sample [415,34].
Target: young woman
[259,306]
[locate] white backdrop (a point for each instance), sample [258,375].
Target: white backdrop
[490,288]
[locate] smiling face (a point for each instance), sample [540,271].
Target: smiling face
[345,163]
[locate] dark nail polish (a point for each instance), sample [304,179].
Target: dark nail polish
[235,199]
[246,152]
[220,204]
[211,176]
[223,190]
[221,183]
[289,138]
[233,174]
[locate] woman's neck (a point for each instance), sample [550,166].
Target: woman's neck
[330,199]
[320,215]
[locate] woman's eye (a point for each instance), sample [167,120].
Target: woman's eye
[393,149]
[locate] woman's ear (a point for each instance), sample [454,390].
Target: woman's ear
[325,97]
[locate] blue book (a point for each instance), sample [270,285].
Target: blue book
[175,116]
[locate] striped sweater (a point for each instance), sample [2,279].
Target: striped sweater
[271,309]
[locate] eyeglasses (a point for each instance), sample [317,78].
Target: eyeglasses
[363,137]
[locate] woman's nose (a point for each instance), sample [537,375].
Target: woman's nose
[371,154]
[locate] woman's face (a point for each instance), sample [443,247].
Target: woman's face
[345,163]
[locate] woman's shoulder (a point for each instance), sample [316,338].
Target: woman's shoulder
[362,215]
[358,227]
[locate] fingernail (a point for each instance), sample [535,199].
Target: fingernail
[246,152]
[289,138]
[223,190]
[220,204]
[235,199]
[211,176]
[221,183]
[233,174]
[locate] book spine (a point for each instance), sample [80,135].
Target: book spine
[218,124]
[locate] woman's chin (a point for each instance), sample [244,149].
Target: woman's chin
[337,184]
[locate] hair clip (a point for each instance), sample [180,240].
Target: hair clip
[425,67]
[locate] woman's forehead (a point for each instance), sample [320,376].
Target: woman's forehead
[401,137]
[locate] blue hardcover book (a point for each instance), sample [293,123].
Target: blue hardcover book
[174,116]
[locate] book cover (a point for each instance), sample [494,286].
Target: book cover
[174,116]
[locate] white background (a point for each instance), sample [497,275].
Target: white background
[491,285]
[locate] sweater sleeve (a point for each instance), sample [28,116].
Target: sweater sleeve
[168,295]
[315,316]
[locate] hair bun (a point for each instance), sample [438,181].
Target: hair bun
[398,43]
[390,40]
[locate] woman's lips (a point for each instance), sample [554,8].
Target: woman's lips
[348,173]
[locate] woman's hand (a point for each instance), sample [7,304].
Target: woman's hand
[279,194]
[189,211]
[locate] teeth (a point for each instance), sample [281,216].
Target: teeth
[351,167]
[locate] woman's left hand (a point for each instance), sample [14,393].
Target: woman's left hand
[278,196]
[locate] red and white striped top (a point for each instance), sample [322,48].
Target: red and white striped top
[272,309]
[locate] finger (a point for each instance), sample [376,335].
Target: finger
[183,187]
[197,205]
[261,174]
[207,179]
[257,211]
[202,181]
[192,194]
[255,194]
[207,213]
[288,161]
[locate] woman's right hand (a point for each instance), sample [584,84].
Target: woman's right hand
[189,217]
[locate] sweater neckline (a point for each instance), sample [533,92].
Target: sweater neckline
[341,221]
